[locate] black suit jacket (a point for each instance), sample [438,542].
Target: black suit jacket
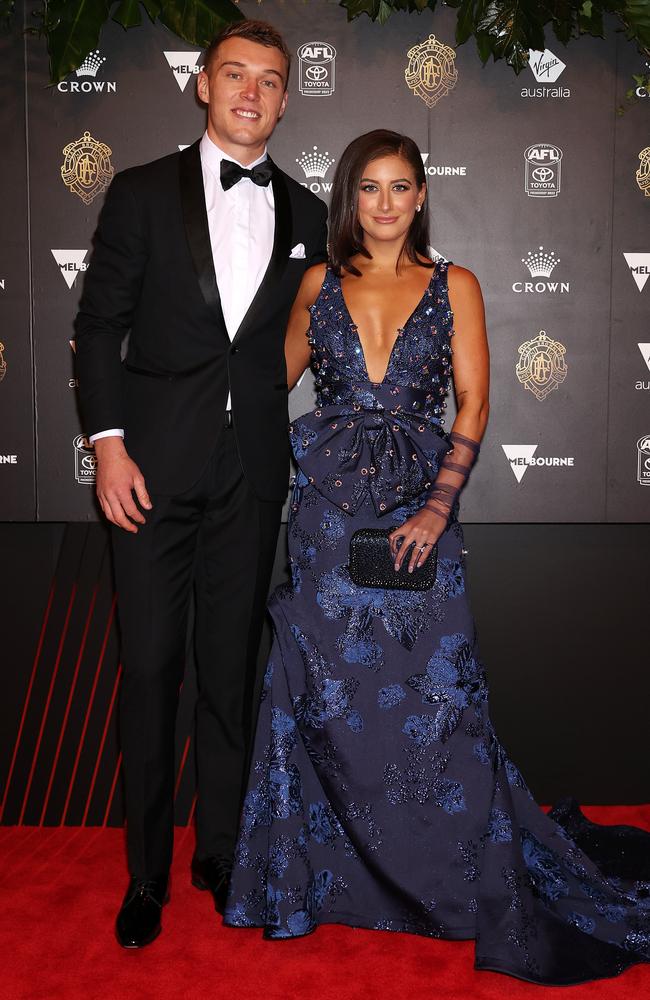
[152,276]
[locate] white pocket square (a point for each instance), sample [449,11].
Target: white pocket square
[298,252]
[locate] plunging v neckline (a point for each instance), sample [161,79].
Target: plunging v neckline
[400,329]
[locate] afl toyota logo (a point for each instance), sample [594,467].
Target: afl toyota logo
[316,77]
[543,163]
[85,460]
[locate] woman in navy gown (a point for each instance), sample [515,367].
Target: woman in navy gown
[379,795]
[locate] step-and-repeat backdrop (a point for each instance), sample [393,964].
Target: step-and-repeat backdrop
[535,182]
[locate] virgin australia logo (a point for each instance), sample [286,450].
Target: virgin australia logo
[86,82]
[316,165]
[547,68]
[522,456]
[540,264]
[183,66]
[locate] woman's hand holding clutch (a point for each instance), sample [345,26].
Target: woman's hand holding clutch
[418,537]
[421,532]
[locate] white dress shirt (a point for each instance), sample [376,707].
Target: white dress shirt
[241,222]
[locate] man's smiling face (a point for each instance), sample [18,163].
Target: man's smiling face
[244,88]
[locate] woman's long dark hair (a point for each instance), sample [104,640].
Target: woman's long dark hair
[345,233]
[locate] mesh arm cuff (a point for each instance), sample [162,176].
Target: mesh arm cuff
[452,476]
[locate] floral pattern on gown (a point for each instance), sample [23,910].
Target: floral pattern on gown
[379,795]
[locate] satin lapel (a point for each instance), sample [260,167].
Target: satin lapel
[279,256]
[195,220]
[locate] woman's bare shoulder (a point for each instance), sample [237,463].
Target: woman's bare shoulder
[463,285]
[311,284]
[461,279]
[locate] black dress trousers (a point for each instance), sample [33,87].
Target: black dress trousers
[219,540]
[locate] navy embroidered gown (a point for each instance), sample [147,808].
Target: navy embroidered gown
[379,795]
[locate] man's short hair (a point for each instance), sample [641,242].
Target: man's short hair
[254,31]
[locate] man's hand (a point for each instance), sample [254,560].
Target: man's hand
[118,478]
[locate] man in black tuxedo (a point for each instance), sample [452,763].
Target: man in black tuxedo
[198,257]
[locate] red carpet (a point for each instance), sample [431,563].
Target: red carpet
[59,893]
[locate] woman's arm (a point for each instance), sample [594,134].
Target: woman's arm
[296,346]
[471,364]
[471,359]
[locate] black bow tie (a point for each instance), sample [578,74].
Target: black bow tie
[231,173]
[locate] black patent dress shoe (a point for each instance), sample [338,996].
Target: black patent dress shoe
[138,922]
[213,874]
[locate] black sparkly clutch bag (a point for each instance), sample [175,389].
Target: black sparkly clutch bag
[372,565]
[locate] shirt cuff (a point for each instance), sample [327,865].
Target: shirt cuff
[114,432]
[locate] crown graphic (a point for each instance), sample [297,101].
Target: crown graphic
[315,164]
[91,64]
[540,263]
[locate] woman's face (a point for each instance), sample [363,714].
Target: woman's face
[387,198]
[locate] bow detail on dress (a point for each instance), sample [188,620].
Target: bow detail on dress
[349,451]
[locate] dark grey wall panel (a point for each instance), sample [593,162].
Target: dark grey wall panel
[566,452]
[629,390]
[17,471]
[134,107]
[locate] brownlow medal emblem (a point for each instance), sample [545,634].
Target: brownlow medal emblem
[541,366]
[431,72]
[87,168]
[643,173]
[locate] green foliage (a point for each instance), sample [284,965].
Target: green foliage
[72,27]
[640,90]
[6,13]
[503,29]
[635,15]
[512,27]
[128,14]
[198,21]
[507,29]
